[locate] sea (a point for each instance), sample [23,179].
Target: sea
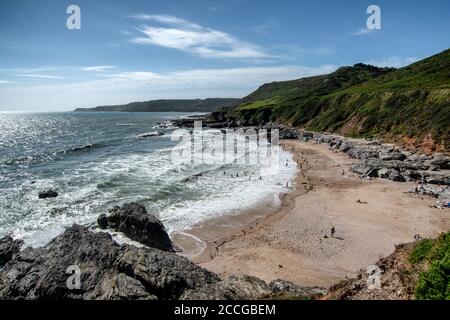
[97,160]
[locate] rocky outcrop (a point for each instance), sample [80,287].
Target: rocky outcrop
[288,289]
[109,271]
[136,223]
[8,249]
[386,161]
[47,194]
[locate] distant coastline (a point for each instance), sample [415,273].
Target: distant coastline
[170,105]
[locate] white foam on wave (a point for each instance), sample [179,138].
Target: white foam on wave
[229,196]
[182,195]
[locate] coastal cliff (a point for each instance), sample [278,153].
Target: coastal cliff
[410,105]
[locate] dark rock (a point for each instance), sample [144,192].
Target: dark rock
[395,155]
[167,274]
[48,194]
[363,169]
[440,161]
[384,173]
[394,175]
[288,133]
[233,288]
[136,223]
[108,271]
[286,288]
[8,248]
[411,175]
[439,178]
[102,221]
[361,153]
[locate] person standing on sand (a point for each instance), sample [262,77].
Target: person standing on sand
[333,231]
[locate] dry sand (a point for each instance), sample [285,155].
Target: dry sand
[290,243]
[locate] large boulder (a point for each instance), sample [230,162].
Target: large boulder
[288,133]
[439,178]
[362,153]
[47,194]
[135,222]
[394,155]
[8,248]
[364,169]
[391,174]
[394,175]
[440,161]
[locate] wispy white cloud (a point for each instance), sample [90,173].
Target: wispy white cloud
[194,39]
[143,85]
[362,32]
[37,73]
[98,68]
[266,28]
[5,81]
[39,76]
[394,62]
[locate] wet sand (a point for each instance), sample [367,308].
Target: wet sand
[294,243]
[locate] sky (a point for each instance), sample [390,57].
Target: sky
[142,50]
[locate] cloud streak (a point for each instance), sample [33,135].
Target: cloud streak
[180,34]
[39,76]
[362,32]
[394,62]
[124,87]
[98,68]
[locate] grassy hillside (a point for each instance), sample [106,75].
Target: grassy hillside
[195,105]
[411,103]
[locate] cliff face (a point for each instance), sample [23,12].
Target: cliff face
[411,104]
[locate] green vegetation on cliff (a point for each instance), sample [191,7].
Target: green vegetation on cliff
[412,103]
[433,256]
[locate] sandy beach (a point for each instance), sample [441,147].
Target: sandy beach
[295,244]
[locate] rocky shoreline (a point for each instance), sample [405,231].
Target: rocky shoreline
[110,271]
[376,159]
[386,161]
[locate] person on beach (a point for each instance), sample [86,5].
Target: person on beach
[333,231]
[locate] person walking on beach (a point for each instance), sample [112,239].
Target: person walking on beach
[333,231]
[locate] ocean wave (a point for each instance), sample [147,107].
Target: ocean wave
[82,148]
[126,124]
[149,134]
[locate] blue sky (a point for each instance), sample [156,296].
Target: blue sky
[141,50]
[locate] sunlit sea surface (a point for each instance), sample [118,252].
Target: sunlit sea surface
[98,160]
